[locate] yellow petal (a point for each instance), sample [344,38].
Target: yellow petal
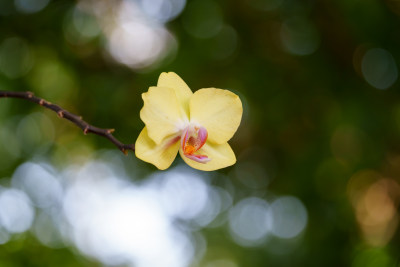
[161,155]
[182,91]
[161,113]
[221,156]
[219,111]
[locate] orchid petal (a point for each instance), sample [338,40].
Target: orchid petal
[161,113]
[161,155]
[219,111]
[182,91]
[220,156]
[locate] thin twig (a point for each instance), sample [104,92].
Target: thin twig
[77,120]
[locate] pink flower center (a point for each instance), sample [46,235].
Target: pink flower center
[193,138]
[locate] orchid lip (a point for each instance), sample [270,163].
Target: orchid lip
[198,158]
[193,138]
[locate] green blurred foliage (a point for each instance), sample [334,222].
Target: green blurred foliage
[310,119]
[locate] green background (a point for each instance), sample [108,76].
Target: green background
[318,82]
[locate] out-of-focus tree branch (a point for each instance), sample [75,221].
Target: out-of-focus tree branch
[77,120]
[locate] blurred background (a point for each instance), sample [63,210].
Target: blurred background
[317,177]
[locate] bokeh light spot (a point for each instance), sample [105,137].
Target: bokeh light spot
[51,78]
[183,193]
[379,68]
[33,130]
[299,36]
[137,36]
[289,217]
[16,58]
[30,6]
[39,183]
[359,182]
[212,207]
[16,212]
[80,27]
[137,44]
[376,208]
[163,10]
[224,43]
[49,227]
[249,221]
[85,24]
[120,223]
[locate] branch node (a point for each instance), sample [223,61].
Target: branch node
[86,130]
[30,94]
[41,102]
[60,114]
[110,131]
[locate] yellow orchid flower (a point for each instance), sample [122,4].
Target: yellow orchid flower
[198,125]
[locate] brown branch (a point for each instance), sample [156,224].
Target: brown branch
[77,120]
